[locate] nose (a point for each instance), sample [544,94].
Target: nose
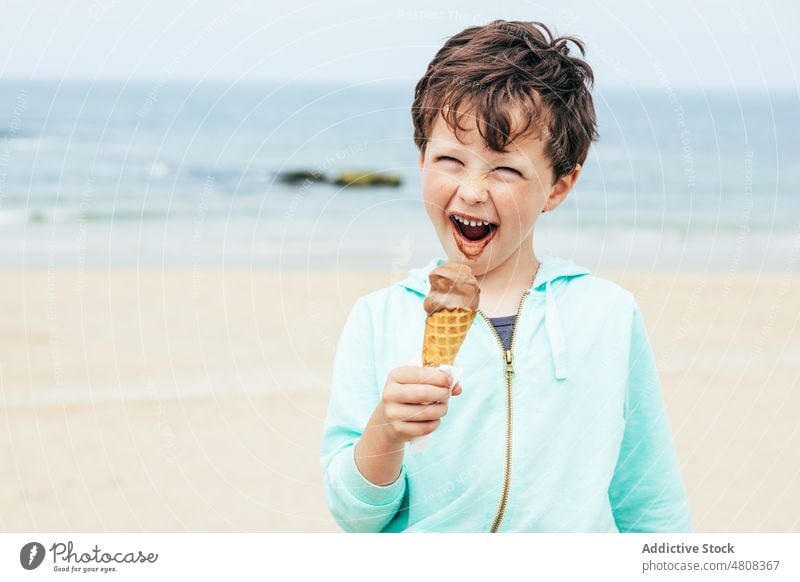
[473,190]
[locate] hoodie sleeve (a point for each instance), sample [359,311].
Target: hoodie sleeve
[647,492]
[356,504]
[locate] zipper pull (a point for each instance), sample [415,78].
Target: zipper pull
[509,364]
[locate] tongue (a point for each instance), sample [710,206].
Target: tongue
[474,232]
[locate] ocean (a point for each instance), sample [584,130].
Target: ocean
[156,175]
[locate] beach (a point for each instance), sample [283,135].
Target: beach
[193,399]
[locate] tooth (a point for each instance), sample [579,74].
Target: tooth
[473,223]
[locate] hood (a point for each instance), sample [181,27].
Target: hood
[551,269]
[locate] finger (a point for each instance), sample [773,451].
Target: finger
[422,375]
[418,393]
[456,390]
[416,412]
[417,429]
[436,377]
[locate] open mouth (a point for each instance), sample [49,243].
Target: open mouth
[474,231]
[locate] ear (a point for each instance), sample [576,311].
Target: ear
[561,188]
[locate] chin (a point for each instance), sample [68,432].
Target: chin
[479,265]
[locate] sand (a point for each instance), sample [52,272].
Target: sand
[193,400]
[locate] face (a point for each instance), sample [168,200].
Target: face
[484,205]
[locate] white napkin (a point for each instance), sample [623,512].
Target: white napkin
[420,444]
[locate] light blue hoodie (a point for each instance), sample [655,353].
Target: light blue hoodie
[572,436]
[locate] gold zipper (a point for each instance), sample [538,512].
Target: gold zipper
[508,358]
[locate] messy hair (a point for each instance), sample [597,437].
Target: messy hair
[506,67]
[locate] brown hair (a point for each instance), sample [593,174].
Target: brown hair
[506,66]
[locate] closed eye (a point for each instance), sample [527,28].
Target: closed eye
[512,170]
[502,168]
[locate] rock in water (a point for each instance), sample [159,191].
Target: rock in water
[353,178]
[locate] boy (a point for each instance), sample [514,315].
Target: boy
[559,423]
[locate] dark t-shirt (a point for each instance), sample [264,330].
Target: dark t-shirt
[504,327]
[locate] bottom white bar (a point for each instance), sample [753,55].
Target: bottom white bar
[387,557]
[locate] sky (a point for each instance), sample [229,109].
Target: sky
[712,44]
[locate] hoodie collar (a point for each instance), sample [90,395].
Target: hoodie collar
[552,268]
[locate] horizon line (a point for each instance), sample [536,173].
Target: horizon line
[391,82]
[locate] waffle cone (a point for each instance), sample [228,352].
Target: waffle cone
[445,331]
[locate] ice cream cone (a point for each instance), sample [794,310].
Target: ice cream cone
[445,331]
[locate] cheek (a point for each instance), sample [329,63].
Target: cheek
[437,190]
[514,204]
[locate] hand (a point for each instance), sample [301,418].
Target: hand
[414,401]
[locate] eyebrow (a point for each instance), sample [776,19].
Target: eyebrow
[507,156]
